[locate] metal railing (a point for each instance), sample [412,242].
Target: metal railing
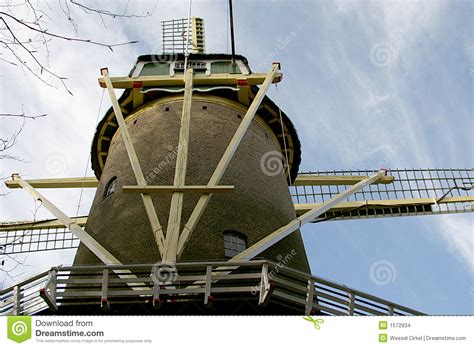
[260,281]
[23,298]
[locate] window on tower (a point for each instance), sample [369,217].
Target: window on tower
[234,243]
[111,187]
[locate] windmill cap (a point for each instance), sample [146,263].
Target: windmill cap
[269,112]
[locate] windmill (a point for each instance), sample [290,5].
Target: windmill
[199,200]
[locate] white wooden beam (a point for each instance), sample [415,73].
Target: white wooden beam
[87,182]
[177,80]
[171,189]
[38,225]
[296,224]
[301,208]
[301,180]
[176,205]
[326,180]
[147,201]
[225,160]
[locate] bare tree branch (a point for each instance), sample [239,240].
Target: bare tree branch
[12,267]
[59,36]
[24,39]
[26,19]
[89,9]
[8,142]
[32,117]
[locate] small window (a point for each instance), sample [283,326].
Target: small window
[111,187]
[234,243]
[156,68]
[224,68]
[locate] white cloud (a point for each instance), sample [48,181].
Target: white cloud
[458,233]
[378,117]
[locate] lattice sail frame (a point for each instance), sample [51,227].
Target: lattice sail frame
[37,236]
[411,192]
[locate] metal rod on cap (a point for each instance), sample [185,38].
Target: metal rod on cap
[231,20]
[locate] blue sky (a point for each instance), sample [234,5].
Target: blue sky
[361,80]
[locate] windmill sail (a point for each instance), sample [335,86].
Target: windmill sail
[403,192]
[406,192]
[32,236]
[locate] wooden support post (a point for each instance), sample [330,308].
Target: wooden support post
[156,301]
[243,95]
[104,301]
[16,300]
[265,287]
[390,309]
[207,291]
[48,293]
[309,297]
[156,296]
[176,206]
[137,96]
[147,201]
[350,310]
[226,158]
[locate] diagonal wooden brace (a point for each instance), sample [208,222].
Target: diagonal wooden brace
[147,201]
[296,224]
